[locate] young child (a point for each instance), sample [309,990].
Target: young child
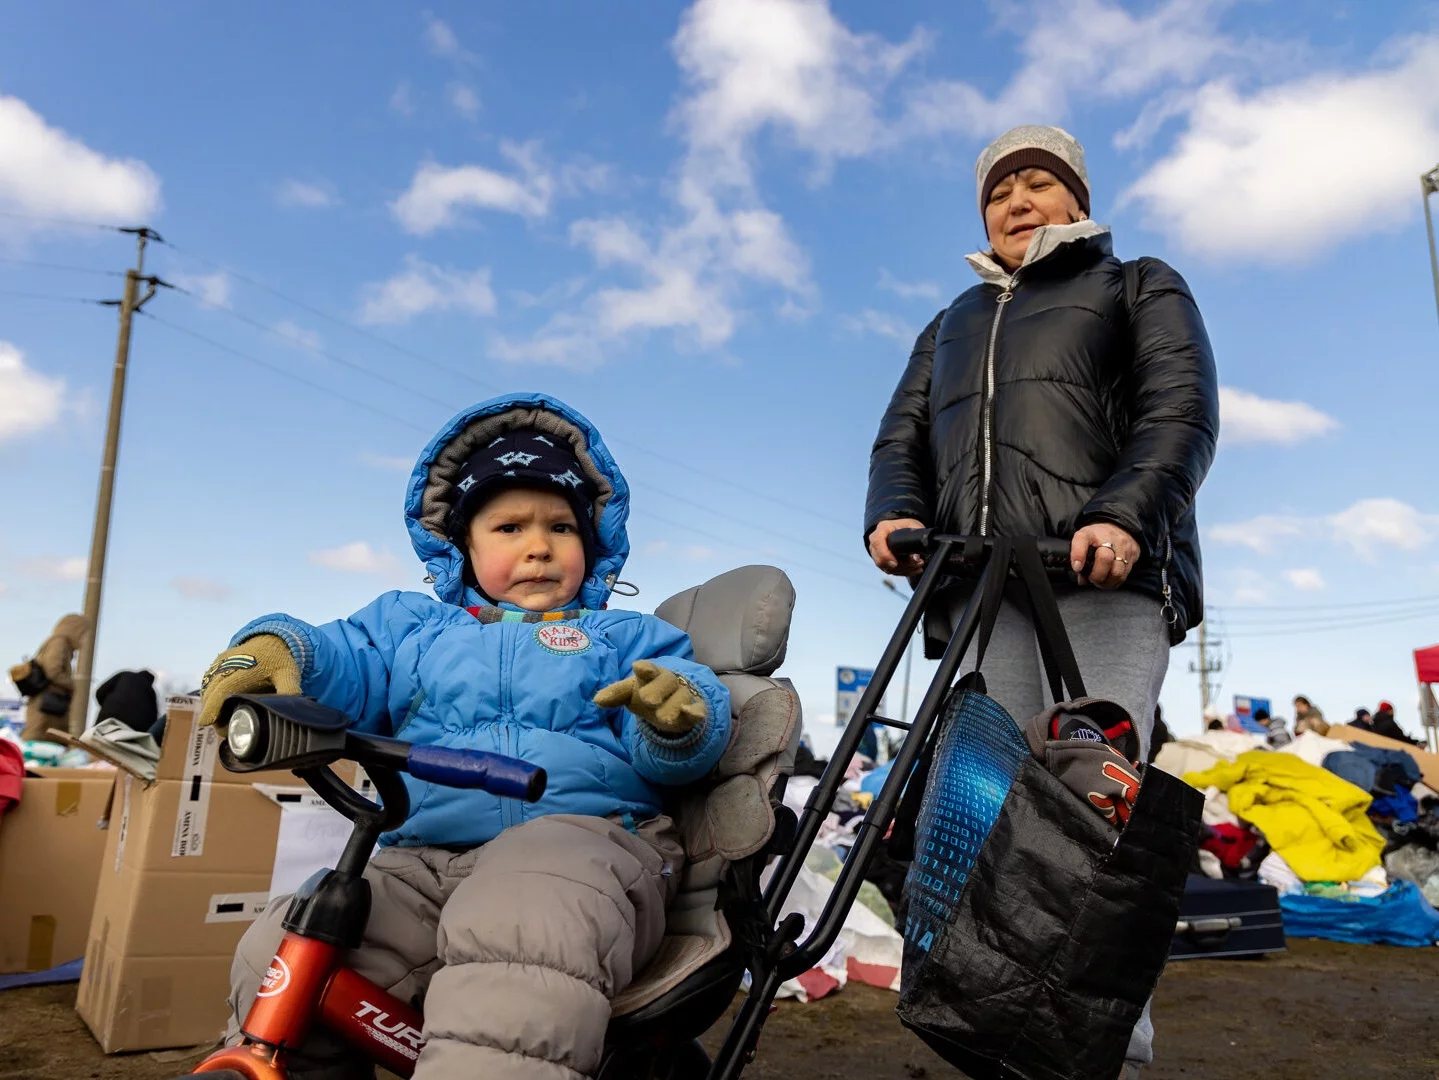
[515,923]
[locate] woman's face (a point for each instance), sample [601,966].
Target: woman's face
[1021,203]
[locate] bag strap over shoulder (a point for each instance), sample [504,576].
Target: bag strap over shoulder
[1131,286]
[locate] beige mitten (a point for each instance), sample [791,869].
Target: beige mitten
[657,696]
[262,664]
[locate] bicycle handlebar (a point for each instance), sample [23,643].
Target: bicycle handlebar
[506,777]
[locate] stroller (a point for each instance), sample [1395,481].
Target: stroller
[723,924]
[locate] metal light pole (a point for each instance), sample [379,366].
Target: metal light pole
[1429,185]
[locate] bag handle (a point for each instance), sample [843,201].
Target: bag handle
[1060,666]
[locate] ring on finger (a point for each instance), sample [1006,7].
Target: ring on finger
[1106,543]
[1121,558]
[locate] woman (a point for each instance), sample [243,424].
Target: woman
[1045,402]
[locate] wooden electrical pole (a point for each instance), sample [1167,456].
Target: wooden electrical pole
[100,537]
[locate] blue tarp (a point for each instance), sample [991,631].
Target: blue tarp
[65,973]
[875,780]
[1401,916]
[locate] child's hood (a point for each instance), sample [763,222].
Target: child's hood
[429,496]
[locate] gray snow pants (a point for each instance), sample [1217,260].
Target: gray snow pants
[513,949]
[1122,647]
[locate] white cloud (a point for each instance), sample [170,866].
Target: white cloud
[464,100]
[311,195]
[56,568]
[1370,523]
[1363,526]
[1284,171]
[402,101]
[356,558]
[1305,579]
[199,588]
[1262,533]
[443,41]
[49,173]
[870,321]
[1073,47]
[908,290]
[388,463]
[422,287]
[1249,418]
[436,192]
[29,401]
[297,334]
[566,341]
[783,64]
[212,290]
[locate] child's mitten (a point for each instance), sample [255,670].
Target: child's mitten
[657,696]
[262,664]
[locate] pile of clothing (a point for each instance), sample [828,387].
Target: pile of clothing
[1346,831]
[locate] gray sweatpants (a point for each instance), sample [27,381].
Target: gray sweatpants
[513,950]
[1121,645]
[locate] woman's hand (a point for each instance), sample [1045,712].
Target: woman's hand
[1115,553]
[884,558]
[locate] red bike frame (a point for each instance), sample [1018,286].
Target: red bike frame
[306,982]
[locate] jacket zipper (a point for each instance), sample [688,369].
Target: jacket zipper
[988,421]
[1168,610]
[509,646]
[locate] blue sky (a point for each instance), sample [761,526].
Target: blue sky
[716,230]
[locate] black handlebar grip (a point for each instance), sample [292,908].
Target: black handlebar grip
[903,542]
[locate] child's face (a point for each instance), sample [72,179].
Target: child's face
[525,549]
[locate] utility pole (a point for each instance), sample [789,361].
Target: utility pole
[1429,185]
[100,537]
[1205,667]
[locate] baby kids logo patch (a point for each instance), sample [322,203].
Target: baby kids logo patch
[562,640]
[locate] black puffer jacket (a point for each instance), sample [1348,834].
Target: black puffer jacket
[1094,415]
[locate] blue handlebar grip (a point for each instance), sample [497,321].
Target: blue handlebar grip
[506,777]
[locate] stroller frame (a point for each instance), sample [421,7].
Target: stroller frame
[786,955]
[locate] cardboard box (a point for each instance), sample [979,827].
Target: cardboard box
[189,863]
[51,846]
[186,869]
[133,1003]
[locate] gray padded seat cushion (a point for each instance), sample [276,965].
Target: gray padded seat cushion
[738,621]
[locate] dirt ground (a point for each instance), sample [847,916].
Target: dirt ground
[1321,1011]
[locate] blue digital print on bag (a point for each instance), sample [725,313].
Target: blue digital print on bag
[980,753]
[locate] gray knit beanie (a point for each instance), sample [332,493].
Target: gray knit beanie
[1033,146]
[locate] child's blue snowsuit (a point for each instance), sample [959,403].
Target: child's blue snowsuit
[522,943]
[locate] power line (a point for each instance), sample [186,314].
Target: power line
[1357,623]
[283,372]
[35,264]
[1244,609]
[51,296]
[491,387]
[288,374]
[449,406]
[326,353]
[41,219]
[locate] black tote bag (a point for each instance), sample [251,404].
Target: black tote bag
[1036,931]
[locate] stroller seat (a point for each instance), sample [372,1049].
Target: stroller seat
[738,623]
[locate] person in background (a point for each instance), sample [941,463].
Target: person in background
[1307,717]
[1384,724]
[1274,725]
[1213,719]
[46,679]
[1362,719]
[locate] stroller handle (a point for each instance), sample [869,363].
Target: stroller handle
[1052,552]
